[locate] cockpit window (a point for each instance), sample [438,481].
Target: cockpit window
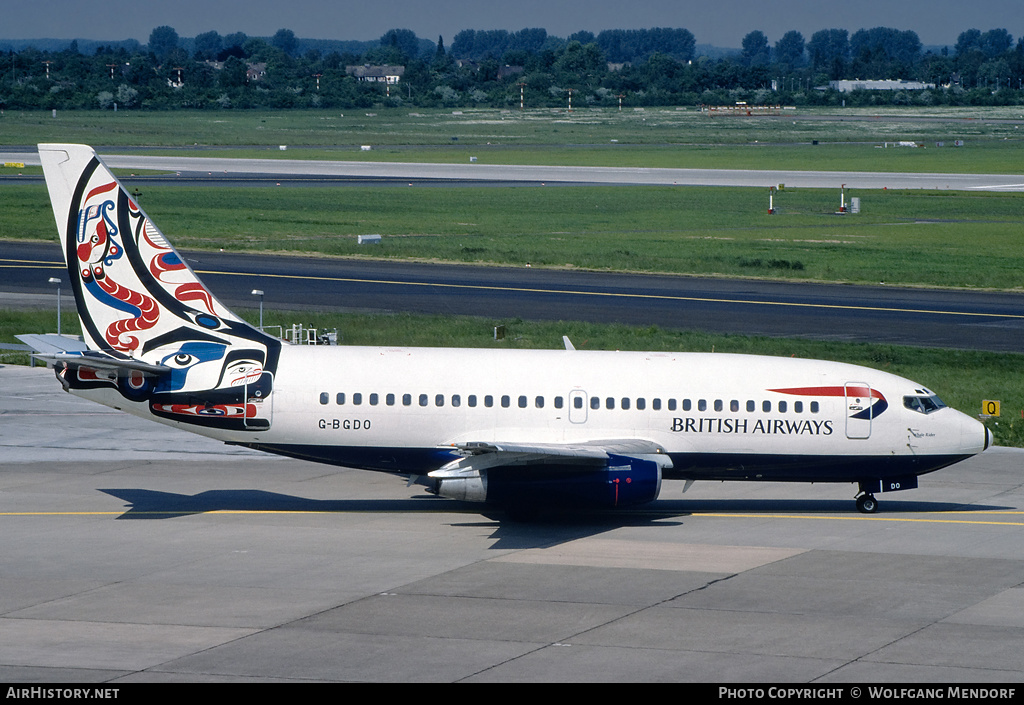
[923,404]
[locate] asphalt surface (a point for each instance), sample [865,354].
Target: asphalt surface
[134,552]
[922,317]
[477,171]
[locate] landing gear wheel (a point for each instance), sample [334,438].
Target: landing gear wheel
[867,504]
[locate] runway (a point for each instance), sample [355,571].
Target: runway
[921,317]
[135,553]
[480,172]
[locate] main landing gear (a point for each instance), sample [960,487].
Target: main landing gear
[866,503]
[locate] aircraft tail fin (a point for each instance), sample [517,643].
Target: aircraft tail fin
[159,332]
[129,282]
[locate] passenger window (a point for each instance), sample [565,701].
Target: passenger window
[374,399]
[702,405]
[814,407]
[798,407]
[782,407]
[339,398]
[488,401]
[751,405]
[624,404]
[718,405]
[522,401]
[558,402]
[641,404]
[439,400]
[656,404]
[471,399]
[389,400]
[577,402]
[423,399]
[595,403]
[766,406]
[686,404]
[325,397]
[456,400]
[407,400]
[505,401]
[672,405]
[609,403]
[539,402]
[357,398]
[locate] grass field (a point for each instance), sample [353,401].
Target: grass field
[900,237]
[653,137]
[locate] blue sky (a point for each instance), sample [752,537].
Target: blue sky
[722,23]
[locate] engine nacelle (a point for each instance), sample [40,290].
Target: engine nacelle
[623,482]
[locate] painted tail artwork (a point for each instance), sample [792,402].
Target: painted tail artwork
[154,334]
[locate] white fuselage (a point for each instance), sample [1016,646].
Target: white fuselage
[716,415]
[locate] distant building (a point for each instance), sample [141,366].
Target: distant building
[376,74]
[507,71]
[884,85]
[254,72]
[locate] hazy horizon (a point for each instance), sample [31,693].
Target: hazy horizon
[723,24]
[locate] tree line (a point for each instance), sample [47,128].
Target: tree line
[498,68]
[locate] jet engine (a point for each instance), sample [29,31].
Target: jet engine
[622,482]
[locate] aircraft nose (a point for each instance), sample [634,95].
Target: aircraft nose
[975,437]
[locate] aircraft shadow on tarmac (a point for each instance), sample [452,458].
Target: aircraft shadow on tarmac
[152,504]
[542,531]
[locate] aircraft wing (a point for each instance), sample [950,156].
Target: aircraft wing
[479,455]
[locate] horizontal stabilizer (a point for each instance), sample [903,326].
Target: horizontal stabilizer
[73,352]
[47,343]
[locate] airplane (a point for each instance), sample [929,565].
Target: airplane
[526,430]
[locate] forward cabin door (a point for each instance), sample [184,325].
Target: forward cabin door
[859,410]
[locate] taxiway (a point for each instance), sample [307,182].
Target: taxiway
[134,552]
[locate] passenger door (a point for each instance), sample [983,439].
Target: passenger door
[858,410]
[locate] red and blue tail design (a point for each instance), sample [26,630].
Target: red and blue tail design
[153,330]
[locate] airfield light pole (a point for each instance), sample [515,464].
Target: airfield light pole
[522,95]
[56,280]
[259,293]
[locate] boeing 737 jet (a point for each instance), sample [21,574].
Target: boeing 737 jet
[524,429]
